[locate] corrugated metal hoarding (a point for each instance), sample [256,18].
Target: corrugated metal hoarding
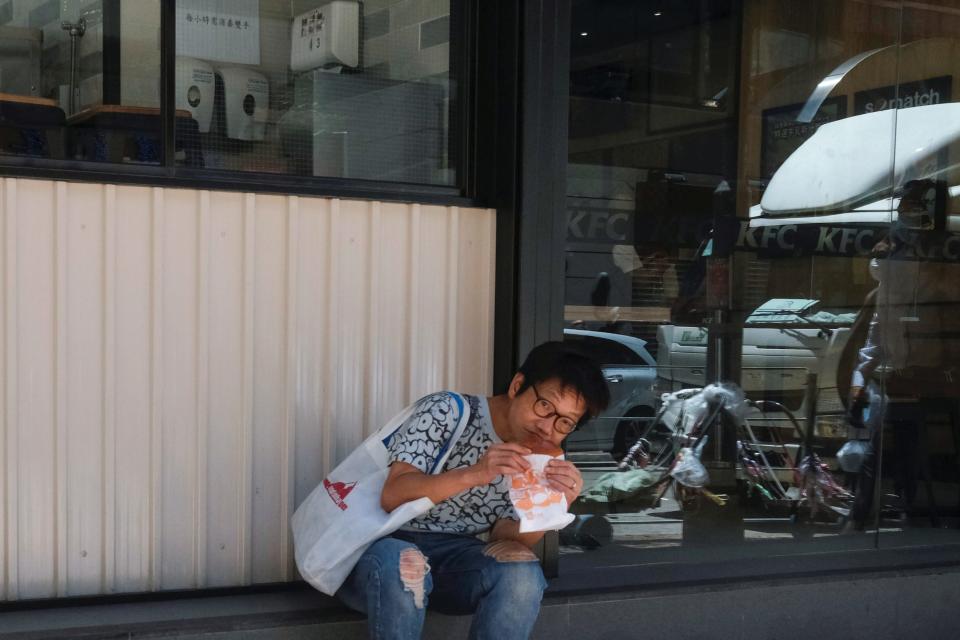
[180,367]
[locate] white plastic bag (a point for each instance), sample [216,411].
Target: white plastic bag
[851,455]
[730,396]
[688,470]
[683,410]
[342,516]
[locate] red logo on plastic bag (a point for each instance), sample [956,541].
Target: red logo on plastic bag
[339,491]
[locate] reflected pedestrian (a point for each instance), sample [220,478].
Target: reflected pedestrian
[885,389]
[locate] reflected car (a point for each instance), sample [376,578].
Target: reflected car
[631,375]
[784,341]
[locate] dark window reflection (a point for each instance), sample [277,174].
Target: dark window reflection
[739,227]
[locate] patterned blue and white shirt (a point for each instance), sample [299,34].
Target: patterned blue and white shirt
[420,441]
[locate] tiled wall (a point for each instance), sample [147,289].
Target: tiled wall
[407,39]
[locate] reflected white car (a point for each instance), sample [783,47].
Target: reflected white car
[631,375]
[784,340]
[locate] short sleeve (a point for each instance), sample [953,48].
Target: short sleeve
[422,437]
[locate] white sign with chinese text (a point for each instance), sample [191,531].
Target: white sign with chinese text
[326,36]
[223,30]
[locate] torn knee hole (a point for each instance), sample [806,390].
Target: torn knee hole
[413,570]
[509,551]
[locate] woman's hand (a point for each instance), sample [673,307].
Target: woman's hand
[564,477]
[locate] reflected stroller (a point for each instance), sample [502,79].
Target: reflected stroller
[668,451]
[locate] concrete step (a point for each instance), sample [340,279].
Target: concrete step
[901,603]
[182,614]
[288,612]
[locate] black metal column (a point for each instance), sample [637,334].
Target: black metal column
[519,166]
[111,52]
[168,65]
[542,229]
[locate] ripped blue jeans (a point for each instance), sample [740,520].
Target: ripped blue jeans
[396,578]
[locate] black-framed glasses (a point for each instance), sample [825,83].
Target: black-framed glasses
[545,409]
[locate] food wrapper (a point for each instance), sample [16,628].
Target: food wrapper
[540,508]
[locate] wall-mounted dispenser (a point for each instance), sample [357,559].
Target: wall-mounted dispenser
[195,90]
[246,99]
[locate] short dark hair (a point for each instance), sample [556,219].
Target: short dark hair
[573,368]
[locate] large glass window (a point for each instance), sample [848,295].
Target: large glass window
[317,88]
[761,194]
[322,88]
[79,80]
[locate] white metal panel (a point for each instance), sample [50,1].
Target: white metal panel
[349,294]
[4,462]
[61,391]
[203,352]
[109,403]
[130,303]
[80,392]
[32,435]
[180,368]
[269,390]
[453,295]
[471,333]
[390,289]
[9,488]
[312,326]
[245,459]
[222,250]
[431,271]
[177,228]
[291,351]
[157,358]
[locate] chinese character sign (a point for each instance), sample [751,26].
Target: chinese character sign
[326,36]
[222,30]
